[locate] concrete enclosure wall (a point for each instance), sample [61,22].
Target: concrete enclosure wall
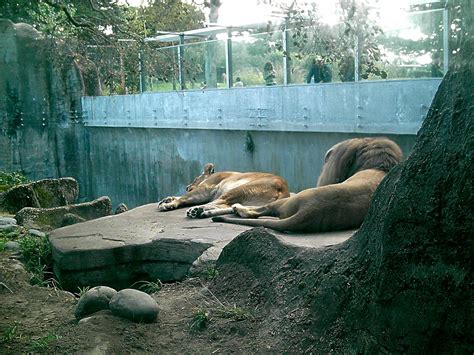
[144,147]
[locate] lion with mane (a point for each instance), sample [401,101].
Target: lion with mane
[351,173]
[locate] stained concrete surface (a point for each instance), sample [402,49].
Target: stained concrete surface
[144,244]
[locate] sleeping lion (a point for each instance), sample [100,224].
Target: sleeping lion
[213,194]
[352,171]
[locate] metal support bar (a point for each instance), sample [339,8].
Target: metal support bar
[446,38]
[228,58]
[141,67]
[182,81]
[356,59]
[286,57]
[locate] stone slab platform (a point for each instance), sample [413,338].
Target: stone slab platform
[144,244]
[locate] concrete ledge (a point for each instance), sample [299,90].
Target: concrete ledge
[144,244]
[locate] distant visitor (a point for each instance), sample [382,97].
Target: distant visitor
[319,71]
[269,74]
[238,83]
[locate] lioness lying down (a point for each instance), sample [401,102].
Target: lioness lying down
[352,171]
[219,191]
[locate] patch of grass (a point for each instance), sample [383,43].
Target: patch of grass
[149,286]
[82,291]
[235,313]
[37,257]
[3,240]
[200,320]
[44,342]
[10,236]
[211,273]
[10,334]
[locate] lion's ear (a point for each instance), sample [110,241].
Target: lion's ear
[208,169]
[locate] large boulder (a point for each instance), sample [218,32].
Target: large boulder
[134,305]
[94,300]
[45,193]
[51,218]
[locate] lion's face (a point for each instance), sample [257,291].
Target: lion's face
[207,171]
[350,156]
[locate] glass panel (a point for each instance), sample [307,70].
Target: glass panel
[250,55]
[413,49]
[313,57]
[161,69]
[204,65]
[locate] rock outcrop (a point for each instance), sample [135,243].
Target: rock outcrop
[45,193]
[56,217]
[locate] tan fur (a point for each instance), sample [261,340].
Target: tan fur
[352,171]
[215,193]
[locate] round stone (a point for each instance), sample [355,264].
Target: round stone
[36,233]
[134,305]
[7,228]
[94,300]
[7,220]
[11,246]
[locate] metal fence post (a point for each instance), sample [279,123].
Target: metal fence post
[286,57]
[445,38]
[182,81]
[228,58]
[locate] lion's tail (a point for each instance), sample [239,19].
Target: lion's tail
[276,224]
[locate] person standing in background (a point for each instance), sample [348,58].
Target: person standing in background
[319,71]
[269,74]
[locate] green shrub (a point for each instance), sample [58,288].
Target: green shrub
[200,320]
[9,179]
[37,257]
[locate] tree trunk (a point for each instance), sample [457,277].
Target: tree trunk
[403,282]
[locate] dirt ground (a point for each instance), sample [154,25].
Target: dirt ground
[191,320]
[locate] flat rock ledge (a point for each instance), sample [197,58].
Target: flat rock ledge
[144,244]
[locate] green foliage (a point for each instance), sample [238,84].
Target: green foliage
[82,291]
[10,334]
[37,257]
[44,342]
[235,313]
[148,286]
[9,179]
[200,320]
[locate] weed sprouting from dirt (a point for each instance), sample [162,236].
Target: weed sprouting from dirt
[211,273]
[37,257]
[44,342]
[215,308]
[149,287]
[200,320]
[235,313]
[10,334]
[82,291]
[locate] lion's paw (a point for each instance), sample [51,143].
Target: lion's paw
[238,208]
[195,212]
[166,200]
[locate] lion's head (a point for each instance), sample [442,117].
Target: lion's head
[350,156]
[207,171]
